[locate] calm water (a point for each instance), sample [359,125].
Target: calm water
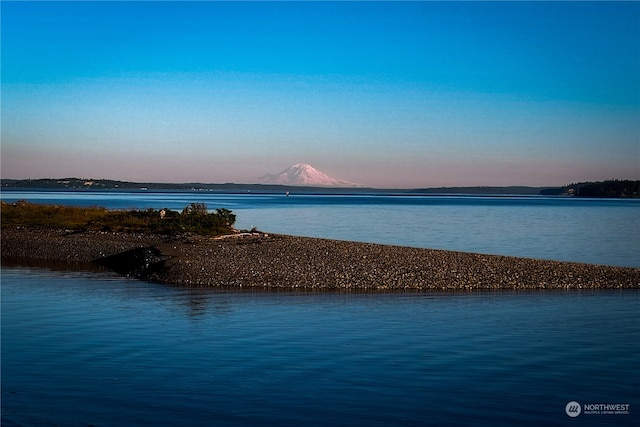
[601,231]
[96,349]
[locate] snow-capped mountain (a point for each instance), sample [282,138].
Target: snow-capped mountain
[303,174]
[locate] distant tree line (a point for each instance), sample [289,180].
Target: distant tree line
[604,189]
[89,184]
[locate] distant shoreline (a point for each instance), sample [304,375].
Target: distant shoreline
[75,184]
[258,260]
[601,189]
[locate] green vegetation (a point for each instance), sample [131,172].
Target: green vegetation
[193,218]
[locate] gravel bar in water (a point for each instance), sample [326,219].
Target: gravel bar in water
[278,261]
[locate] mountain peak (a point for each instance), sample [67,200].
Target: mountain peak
[303,174]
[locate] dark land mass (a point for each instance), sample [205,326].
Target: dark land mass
[607,189]
[104,184]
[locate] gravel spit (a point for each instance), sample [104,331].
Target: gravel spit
[289,262]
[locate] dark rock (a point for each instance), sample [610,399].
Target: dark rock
[140,263]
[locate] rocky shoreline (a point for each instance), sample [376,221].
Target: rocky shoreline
[289,262]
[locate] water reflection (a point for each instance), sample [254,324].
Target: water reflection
[200,302]
[77,345]
[52,264]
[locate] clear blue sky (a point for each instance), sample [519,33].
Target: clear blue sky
[388,94]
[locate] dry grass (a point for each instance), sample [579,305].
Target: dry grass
[194,218]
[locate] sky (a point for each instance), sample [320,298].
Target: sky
[386,94]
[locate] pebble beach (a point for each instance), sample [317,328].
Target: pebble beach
[260,260]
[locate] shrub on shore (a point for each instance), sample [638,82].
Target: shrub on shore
[194,218]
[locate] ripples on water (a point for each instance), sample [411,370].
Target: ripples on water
[97,349]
